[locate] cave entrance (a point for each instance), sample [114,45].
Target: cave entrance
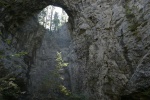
[52,61]
[19,19]
[52,18]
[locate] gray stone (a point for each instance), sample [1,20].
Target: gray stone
[110,41]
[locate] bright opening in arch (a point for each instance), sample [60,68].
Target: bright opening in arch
[52,17]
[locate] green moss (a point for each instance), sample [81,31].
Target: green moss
[129,15]
[139,38]
[132,19]
[133,27]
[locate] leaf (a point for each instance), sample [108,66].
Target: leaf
[20,54]
[11,83]
[12,79]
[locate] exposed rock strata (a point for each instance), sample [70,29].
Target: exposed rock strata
[111,40]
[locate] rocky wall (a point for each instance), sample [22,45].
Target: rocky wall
[110,38]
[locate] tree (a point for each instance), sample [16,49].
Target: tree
[56,21]
[60,62]
[41,17]
[51,16]
[64,17]
[52,82]
[51,19]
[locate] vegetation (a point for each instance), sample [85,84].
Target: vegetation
[60,62]
[9,87]
[8,41]
[64,90]
[19,54]
[52,19]
[56,21]
[131,19]
[52,83]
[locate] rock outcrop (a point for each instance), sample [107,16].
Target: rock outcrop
[110,39]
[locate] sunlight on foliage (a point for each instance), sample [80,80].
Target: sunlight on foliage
[64,90]
[20,54]
[60,62]
[8,87]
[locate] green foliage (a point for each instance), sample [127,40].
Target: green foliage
[60,62]
[64,90]
[20,54]
[3,3]
[133,23]
[132,19]
[133,26]
[60,65]
[56,21]
[129,13]
[8,41]
[52,83]
[8,88]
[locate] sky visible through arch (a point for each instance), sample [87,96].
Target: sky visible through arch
[46,16]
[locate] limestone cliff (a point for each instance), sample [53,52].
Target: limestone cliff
[110,39]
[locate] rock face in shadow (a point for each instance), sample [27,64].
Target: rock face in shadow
[16,57]
[45,77]
[110,39]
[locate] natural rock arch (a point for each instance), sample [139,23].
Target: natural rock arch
[18,22]
[103,33]
[21,10]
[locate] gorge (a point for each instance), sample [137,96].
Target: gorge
[105,42]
